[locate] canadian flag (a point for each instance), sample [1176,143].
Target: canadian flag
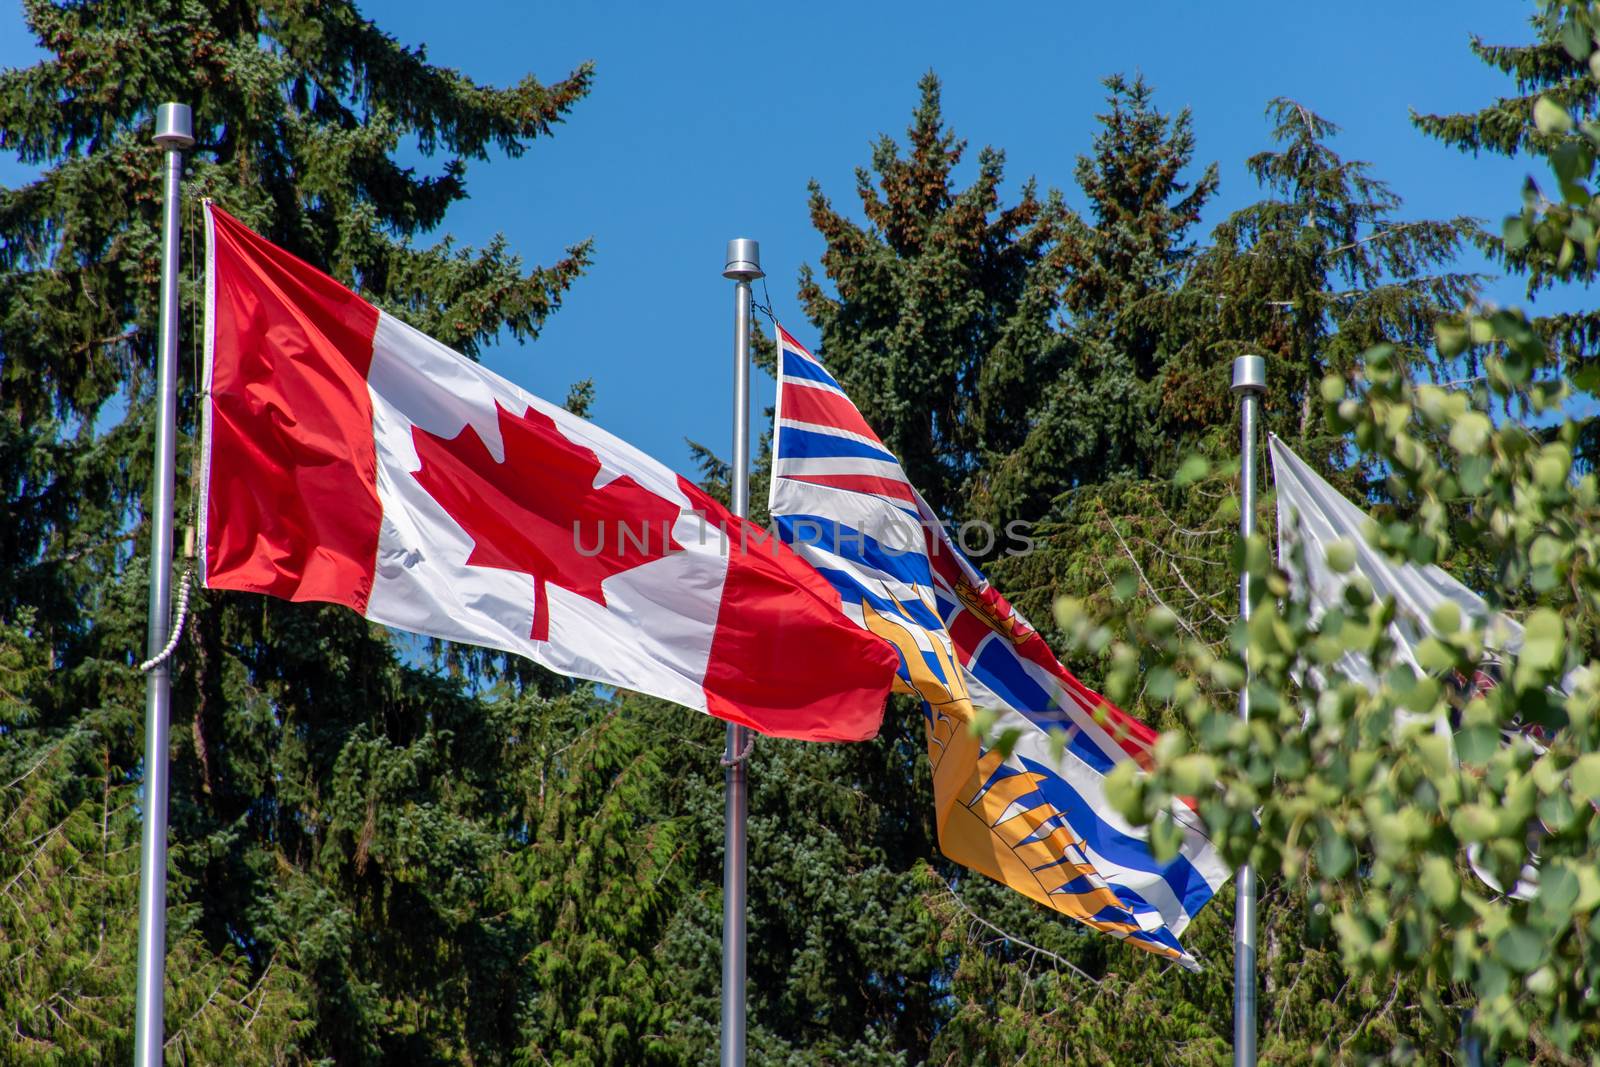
[349,458]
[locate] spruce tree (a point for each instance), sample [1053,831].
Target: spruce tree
[339,817]
[1555,67]
[1554,239]
[939,313]
[1311,276]
[1101,415]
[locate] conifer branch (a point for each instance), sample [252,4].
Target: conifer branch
[1036,950]
[1112,526]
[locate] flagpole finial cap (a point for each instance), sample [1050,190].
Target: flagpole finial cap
[1250,374]
[744,260]
[174,126]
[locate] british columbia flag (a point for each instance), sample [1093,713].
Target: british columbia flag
[1034,820]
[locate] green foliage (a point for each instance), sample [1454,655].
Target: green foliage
[338,820]
[1163,318]
[1102,415]
[1555,90]
[390,851]
[941,304]
[609,853]
[1402,809]
[1310,276]
[69,865]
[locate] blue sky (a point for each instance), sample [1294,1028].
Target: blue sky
[707,121]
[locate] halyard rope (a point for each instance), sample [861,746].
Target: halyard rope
[177,630]
[192,209]
[749,746]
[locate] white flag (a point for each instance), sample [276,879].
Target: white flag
[1313,514]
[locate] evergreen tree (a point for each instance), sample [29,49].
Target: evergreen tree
[1555,67]
[338,821]
[1400,833]
[621,894]
[69,865]
[1554,239]
[1102,414]
[1310,277]
[941,303]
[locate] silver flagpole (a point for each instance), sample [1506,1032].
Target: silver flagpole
[174,132]
[1249,382]
[743,266]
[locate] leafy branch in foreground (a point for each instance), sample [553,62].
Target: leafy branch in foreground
[1403,806]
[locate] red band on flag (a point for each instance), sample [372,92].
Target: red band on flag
[968,629]
[787,338]
[823,407]
[780,629]
[860,483]
[292,506]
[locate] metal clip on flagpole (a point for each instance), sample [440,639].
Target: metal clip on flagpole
[743,266]
[175,133]
[1249,382]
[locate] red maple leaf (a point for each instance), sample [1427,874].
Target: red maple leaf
[539,513]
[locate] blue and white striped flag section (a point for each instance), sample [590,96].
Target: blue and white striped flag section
[1031,820]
